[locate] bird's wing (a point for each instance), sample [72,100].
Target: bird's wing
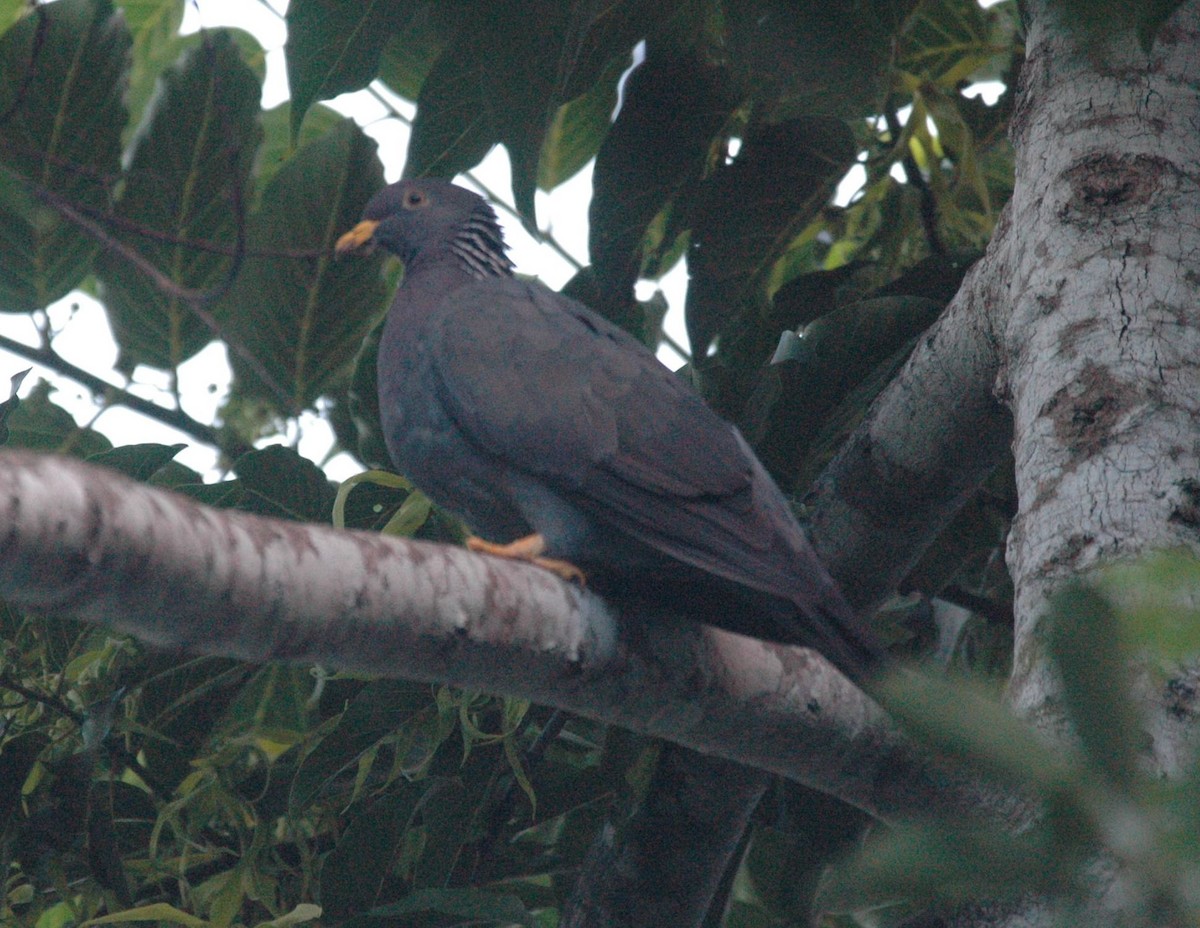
[559,393]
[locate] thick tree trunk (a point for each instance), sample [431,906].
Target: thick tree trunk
[1100,333]
[1099,338]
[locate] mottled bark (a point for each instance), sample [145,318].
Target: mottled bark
[86,543]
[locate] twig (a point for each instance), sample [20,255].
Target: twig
[134,228]
[193,298]
[46,699]
[666,339]
[927,200]
[175,418]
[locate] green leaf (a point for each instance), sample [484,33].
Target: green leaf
[505,75]
[673,107]
[1155,598]
[274,703]
[225,494]
[186,183]
[1097,21]
[184,704]
[950,42]
[578,129]
[155,912]
[7,407]
[154,26]
[598,41]
[304,912]
[380,478]
[477,905]
[411,515]
[40,425]
[11,11]
[62,72]
[140,461]
[1087,644]
[963,724]
[103,853]
[412,51]
[361,870]
[804,59]
[856,347]
[1152,16]
[279,482]
[277,146]
[748,211]
[304,317]
[334,47]
[446,812]
[943,862]
[496,83]
[18,754]
[372,716]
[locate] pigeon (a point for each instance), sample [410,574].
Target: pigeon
[560,439]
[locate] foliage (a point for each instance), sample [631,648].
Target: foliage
[139,165]
[1093,801]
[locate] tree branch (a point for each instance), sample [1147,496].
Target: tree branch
[87,543]
[175,418]
[929,441]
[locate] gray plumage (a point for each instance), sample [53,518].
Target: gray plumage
[521,410]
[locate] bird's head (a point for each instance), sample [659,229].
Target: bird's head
[430,217]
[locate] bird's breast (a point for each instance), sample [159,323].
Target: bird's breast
[428,447]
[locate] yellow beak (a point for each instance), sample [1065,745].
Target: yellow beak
[360,238]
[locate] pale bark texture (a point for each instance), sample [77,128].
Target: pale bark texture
[1099,323]
[87,543]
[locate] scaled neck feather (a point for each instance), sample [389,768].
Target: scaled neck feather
[479,245]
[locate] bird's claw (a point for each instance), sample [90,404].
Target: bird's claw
[529,549]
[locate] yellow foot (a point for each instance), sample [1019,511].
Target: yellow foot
[530,548]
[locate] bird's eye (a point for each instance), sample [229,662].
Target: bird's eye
[414,199]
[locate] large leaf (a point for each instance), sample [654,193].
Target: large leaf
[303,317]
[831,375]
[468,906]
[749,210]
[180,205]
[798,59]
[62,72]
[673,107]
[278,145]
[11,11]
[494,84]
[154,26]
[373,715]
[503,78]
[1088,644]
[334,47]
[276,481]
[948,42]
[140,461]
[578,129]
[410,54]
[40,425]
[361,870]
